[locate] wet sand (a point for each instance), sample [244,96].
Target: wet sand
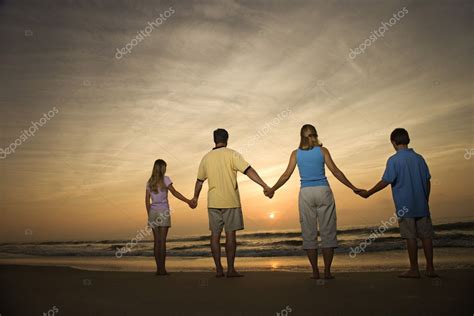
[30,290]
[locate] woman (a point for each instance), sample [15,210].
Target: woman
[158,210]
[316,201]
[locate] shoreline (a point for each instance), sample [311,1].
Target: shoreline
[395,260]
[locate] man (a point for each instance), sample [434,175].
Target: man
[220,167]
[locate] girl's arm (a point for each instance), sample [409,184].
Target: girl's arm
[147,201]
[336,172]
[178,195]
[287,174]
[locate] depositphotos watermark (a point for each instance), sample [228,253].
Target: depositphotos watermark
[142,233]
[376,34]
[51,312]
[30,132]
[469,153]
[142,34]
[377,233]
[285,311]
[263,131]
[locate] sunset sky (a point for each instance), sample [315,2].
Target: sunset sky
[237,65]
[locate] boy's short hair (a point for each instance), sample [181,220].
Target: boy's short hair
[221,136]
[400,136]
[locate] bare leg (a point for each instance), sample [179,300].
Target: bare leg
[156,249]
[428,249]
[163,232]
[313,259]
[412,248]
[230,248]
[156,238]
[328,255]
[216,253]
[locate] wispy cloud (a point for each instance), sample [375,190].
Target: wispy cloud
[220,64]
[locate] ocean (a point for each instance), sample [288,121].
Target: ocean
[256,244]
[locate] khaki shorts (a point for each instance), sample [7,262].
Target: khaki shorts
[318,209]
[230,218]
[413,227]
[159,218]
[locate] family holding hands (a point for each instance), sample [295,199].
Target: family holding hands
[406,172]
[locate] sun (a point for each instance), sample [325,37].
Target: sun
[271,215]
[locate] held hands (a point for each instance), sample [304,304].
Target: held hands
[193,203]
[269,192]
[361,192]
[364,193]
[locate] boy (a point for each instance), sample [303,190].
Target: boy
[409,177]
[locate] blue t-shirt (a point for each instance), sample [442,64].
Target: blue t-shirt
[311,167]
[408,174]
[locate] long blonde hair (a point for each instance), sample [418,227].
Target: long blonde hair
[156,181]
[306,141]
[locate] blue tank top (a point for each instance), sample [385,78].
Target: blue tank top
[311,167]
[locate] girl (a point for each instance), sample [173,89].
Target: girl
[316,202]
[158,210]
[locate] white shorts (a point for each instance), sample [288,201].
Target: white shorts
[159,218]
[317,208]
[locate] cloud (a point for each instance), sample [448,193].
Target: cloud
[221,64]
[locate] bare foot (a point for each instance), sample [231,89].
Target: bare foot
[328,276]
[431,273]
[315,275]
[162,272]
[410,274]
[220,272]
[234,274]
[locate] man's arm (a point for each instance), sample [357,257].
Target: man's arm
[253,175]
[197,191]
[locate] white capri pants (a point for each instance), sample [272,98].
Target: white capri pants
[318,209]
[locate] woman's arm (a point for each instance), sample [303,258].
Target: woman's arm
[178,195]
[335,170]
[147,201]
[287,174]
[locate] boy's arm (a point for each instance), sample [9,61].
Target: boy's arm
[428,189]
[379,186]
[389,176]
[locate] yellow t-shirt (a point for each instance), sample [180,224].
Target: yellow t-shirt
[220,167]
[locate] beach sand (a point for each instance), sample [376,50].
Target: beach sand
[33,290]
